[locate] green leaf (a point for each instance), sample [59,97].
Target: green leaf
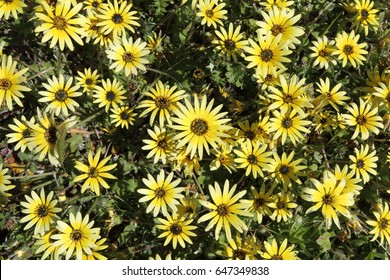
[324,241]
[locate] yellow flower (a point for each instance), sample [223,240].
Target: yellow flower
[229,42]
[381,224]
[253,157]
[332,96]
[259,203]
[95,172]
[115,18]
[365,16]
[281,21]
[110,95]
[13,7]
[282,204]
[330,198]
[95,255]
[60,25]
[351,183]
[176,229]
[183,160]
[383,92]
[5,182]
[223,157]
[87,79]
[77,237]
[224,210]
[272,252]
[364,163]
[45,243]
[60,95]
[211,15]
[322,52]
[122,116]
[162,192]
[128,55]
[348,49]
[21,133]
[364,119]
[161,145]
[201,125]
[280,4]
[10,83]
[268,54]
[164,102]
[40,210]
[242,248]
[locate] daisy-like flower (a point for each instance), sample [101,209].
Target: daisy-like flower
[154,42]
[93,5]
[280,4]
[351,183]
[89,26]
[225,210]
[271,78]
[332,96]
[188,205]
[241,248]
[2,44]
[268,54]
[322,52]
[162,192]
[282,203]
[60,95]
[10,83]
[40,211]
[110,95]
[273,252]
[211,12]
[45,244]
[184,161]
[288,125]
[364,118]
[122,116]
[292,95]
[250,132]
[176,229]
[230,42]
[21,133]
[381,223]
[5,183]
[330,198]
[8,7]
[87,79]
[282,22]
[115,18]
[161,145]
[253,157]
[164,101]
[348,49]
[365,17]
[259,203]
[364,163]
[223,157]
[95,172]
[78,237]
[201,125]
[95,251]
[383,92]
[128,55]
[60,25]
[284,169]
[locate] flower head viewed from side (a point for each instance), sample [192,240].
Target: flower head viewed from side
[95,172]
[77,237]
[241,248]
[225,209]
[60,25]
[201,125]
[348,49]
[5,183]
[381,223]
[364,163]
[273,252]
[161,192]
[40,211]
[332,96]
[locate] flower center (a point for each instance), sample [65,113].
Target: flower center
[198,74]
[175,229]
[51,135]
[59,22]
[209,13]
[239,254]
[250,134]
[287,123]
[360,163]
[5,84]
[42,211]
[230,45]
[283,169]
[276,257]
[89,81]
[268,78]
[222,158]
[287,98]
[361,120]
[127,57]
[124,115]
[259,202]
[266,55]
[199,127]
[280,205]
[76,235]
[348,49]
[364,14]
[93,173]
[162,102]
[162,144]
[110,95]
[276,29]
[383,223]
[323,53]
[160,192]
[222,210]
[117,18]
[26,133]
[252,159]
[61,95]
[95,4]
[327,199]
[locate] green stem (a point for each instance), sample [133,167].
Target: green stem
[32,176]
[94,204]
